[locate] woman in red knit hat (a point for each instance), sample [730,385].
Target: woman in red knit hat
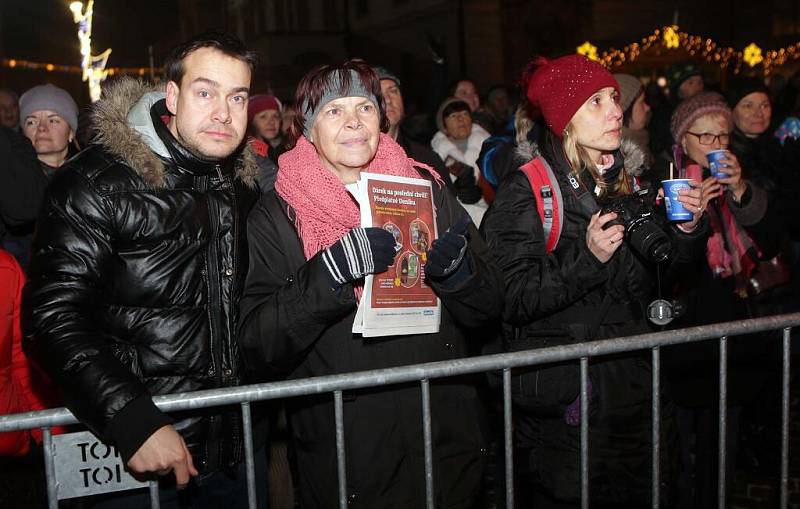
[593,282]
[264,114]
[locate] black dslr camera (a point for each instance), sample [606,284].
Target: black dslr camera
[643,230]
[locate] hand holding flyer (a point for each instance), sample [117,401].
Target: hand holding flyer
[448,252]
[399,301]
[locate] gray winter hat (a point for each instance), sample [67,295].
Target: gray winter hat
[334,89]
[49,97]
[385,74]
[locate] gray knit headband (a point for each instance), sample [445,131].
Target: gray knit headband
[334,89]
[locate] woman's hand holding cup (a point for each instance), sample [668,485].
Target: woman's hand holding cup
[694,200]
[729,165]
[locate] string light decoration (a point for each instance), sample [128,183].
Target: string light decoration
[93,66]
[672,38]
[14,63]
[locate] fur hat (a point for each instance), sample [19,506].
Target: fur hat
[700,105]
[259,103]
[558,88]
[744,86]
[629,89]
[49,97]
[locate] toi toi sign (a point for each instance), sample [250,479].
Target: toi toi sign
[86,466]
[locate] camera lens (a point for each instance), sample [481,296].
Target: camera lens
[650,241]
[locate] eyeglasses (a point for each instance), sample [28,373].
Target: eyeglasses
[710,138]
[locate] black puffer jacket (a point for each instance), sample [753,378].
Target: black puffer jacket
[140,257]
[559,298]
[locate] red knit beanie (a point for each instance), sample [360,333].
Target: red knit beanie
[558,88]
[259,103]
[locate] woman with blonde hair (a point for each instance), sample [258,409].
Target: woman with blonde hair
[593,283]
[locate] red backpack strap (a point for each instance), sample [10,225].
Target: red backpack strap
[548,199]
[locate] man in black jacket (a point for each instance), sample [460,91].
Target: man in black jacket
[139,259]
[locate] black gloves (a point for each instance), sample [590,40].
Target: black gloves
[360,252]
[466,188]
[448,251]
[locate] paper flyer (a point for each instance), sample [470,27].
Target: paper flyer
[399,301]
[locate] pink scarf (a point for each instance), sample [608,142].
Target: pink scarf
[729,250]
[323,208]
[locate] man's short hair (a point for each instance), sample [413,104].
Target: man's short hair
[224,42]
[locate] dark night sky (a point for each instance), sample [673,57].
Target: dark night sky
[43,30]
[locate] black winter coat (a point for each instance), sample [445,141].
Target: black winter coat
[775,168]
[138,265]
[294,324]
[22,183]
[557,298]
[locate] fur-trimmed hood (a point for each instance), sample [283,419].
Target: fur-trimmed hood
[122,126]
[633,155]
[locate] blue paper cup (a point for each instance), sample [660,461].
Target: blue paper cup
[714,163]
[675,209]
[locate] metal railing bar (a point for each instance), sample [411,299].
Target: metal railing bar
[585,432]
[428,441]
[785,399]
[340,456]
[656,383]
[50,468]
[508,438]
[155,499]
[249,458]
[723,421]
[415,373]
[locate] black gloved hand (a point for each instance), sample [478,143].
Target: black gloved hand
[467,190]
[447,252]
[360,252]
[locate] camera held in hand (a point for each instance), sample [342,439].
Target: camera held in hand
[643,230]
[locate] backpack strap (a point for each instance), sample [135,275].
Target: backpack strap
[548,199]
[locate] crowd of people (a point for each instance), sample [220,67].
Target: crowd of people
[208,235]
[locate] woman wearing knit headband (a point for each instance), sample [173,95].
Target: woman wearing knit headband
[308,257]
[744,230]
[592,284]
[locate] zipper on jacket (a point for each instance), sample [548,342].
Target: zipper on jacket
[214,307]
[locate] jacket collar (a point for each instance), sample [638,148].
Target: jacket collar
[122,124]
[179,154]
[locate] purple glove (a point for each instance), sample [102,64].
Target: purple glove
[572,415]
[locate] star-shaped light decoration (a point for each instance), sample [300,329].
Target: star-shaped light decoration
[752,55]
[671,38]
[588,50]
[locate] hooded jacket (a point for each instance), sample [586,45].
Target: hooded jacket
[568,296]
[139,259]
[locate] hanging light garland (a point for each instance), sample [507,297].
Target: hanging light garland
[14,63]
[672,38]
[94,66]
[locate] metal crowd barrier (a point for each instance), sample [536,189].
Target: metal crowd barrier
[423,373]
